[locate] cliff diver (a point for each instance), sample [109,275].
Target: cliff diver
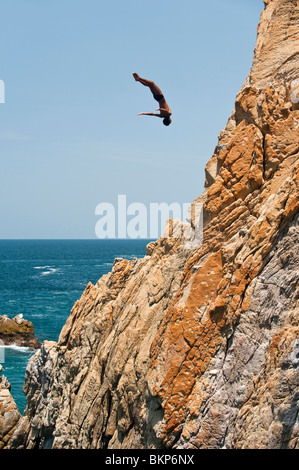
[165,111]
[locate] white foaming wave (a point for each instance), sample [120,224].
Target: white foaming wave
[15,347]
[51,271]
[42,267]
[104,264]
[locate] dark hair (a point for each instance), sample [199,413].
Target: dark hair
[166,121]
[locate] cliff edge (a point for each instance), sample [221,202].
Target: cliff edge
[196,348]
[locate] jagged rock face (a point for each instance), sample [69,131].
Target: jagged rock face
[248,395]
[196,348]
[9,413]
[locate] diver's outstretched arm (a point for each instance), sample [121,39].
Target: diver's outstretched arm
[149,114]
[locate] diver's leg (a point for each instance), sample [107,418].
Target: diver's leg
[153,87]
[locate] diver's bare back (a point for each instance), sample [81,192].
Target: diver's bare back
[165,111]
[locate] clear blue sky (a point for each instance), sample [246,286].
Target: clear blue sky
[70,135]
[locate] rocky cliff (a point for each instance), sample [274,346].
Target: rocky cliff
[9,413]
[196,348]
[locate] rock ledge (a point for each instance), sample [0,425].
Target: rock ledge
[17,331]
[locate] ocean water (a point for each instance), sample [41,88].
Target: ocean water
[42,279]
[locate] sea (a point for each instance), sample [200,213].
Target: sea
[42,279]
